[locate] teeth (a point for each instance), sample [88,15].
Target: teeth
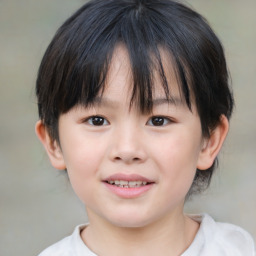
[127,184]
[134,183]
[123,183]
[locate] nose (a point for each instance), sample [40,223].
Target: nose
[128,146]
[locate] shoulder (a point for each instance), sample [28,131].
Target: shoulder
[222,238]
[231,237]
[69,246]
[60,248]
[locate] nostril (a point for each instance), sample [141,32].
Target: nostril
[127,159]
[127,154]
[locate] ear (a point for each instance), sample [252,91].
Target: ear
[51,146]
[213,144]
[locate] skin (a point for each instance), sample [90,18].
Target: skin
[129,142]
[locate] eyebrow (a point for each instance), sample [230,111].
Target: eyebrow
[100,101]
[171,101]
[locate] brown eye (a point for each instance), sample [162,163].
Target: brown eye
[158,121]
[97,121]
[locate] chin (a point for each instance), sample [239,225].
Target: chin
[131,220]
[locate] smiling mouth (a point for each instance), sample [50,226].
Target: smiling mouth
[128,184]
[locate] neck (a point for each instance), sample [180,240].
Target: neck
[171,236]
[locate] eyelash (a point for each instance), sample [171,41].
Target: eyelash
[101,121]
[163,121]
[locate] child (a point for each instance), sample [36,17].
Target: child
[134,103]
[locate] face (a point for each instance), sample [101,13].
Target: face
[123,163]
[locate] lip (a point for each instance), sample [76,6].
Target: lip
[132,192]
[128,177]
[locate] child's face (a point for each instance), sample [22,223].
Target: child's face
[110,142]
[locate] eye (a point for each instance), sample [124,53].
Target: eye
[158,121]
[97,121]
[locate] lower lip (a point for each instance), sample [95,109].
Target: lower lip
[129,192]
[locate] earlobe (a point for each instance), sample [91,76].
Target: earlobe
[211,146]
[51,146]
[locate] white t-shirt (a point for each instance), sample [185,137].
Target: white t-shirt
[212,239]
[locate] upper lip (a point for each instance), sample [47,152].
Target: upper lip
[127,177]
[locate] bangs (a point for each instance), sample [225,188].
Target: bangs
[75,67]
[76,63]
[145,65]
[82,56]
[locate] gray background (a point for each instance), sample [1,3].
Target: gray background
[37,205]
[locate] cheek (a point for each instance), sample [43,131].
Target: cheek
[179,150]
[177,160]
[82,152]
[82,160]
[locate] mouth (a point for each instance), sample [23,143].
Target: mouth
[128,184]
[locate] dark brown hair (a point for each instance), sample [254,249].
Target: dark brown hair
[75,65]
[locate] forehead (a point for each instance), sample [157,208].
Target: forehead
[120,76]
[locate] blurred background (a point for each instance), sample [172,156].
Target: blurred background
[37,204]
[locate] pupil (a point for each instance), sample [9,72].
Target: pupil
[97,120]
[157,121]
